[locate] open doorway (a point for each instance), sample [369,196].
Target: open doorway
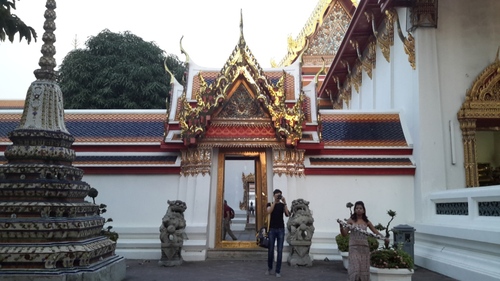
[242,183]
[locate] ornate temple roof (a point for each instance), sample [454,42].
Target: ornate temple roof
[265,108]
[238,105]
[121,139]
[321,35]
[101,126]
[357,49]
[12,104]
[363,130]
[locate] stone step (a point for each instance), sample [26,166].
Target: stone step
[237,254]
[250,226]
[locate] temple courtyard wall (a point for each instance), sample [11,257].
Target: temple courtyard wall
[137,203]
[455,245]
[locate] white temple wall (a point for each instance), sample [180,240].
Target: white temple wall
[381,79]
[329,194]
[355,99]
[448,61]
[137,204]
[468,37]
[368,99]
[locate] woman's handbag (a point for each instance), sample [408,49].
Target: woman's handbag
[263,235]
[263,238]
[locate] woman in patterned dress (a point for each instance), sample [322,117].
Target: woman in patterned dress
[359,251]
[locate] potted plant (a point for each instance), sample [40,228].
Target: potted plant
[343,246]
[343,243]
[390,263]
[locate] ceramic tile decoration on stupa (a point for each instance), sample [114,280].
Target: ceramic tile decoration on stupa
[47,229]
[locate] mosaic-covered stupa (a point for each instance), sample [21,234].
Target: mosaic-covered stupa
[47,229]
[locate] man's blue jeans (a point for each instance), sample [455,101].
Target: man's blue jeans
[279,235]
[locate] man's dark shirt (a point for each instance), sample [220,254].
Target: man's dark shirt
[277,215]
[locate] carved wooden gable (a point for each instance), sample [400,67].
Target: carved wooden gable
[243,105]
[240,107]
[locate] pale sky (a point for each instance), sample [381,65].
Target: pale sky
[210,30]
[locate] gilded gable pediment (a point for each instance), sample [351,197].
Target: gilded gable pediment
[241,94]
[241,105]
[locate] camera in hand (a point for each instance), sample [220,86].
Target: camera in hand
[279,197]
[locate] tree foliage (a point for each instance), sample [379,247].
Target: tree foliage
[117,71]
[10,24]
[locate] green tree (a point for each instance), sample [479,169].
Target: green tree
[10,24]
[117,71]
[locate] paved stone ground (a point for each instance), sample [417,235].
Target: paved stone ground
[212,270]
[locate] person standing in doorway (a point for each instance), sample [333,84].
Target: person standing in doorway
[276,209]
[252,209]
[228,216]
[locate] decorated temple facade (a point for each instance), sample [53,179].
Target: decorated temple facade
[381,101]
[437,63]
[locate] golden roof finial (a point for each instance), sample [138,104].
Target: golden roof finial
[184,51]
[242,38]
[322,70]
[241,22]
[168,71]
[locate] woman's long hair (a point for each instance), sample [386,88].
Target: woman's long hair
[364,217]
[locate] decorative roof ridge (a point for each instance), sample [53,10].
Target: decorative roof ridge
[241,52]
[295,46]
[352,111]
[299,44]
[94,111]
[114,111]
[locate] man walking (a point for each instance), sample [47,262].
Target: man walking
[228,215]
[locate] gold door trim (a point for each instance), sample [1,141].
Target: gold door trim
[481,106]
[260,195]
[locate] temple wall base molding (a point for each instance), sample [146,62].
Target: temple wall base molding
[458,258]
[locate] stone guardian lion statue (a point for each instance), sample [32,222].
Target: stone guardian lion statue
[172,234]
[300,232]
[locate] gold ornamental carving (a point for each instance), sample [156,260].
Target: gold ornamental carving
[241,66]
[482,101]
[346,90]
[468,127]
[367,61]
[356,76]
[338,101]
[247,181]
[288,162]
[295,46]
[196,161]
[408,42]
[371,57]
[385,39]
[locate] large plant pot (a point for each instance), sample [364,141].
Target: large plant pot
[390,274]
[345,259]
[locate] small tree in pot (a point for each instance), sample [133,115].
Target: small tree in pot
[387,259]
